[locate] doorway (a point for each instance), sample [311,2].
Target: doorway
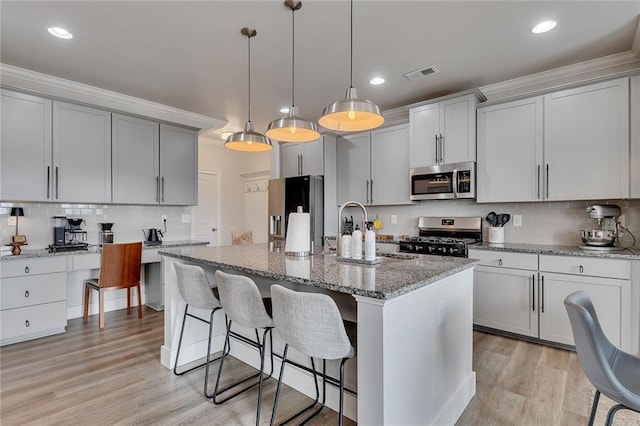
[206,214]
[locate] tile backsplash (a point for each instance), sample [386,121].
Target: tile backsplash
[129,220]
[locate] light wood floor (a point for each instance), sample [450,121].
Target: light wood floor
[85,376]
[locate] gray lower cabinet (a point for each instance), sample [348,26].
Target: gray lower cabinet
[33,302]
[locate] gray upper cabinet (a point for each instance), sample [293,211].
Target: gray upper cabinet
[443,132]
[178,165]
[373,167]
[634,162]
[25,147]
[299,159]
[136,160]
[81,154]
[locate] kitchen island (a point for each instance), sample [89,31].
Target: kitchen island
[414,326]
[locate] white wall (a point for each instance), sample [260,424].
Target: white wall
[213,157]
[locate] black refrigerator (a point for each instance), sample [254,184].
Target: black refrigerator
[285,195]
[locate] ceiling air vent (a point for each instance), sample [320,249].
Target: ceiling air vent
[414,75]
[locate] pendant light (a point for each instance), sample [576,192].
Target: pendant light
[248,140]
[292,128]
[351,114]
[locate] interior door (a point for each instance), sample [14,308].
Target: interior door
[205,215]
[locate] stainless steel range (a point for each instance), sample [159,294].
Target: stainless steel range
[444,236]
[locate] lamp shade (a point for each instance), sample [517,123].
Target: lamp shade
[292,129]
[16,211]
[351,114]
[248,140]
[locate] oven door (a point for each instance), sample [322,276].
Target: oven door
[445,181]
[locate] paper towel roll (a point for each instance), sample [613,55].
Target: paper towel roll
[298,242]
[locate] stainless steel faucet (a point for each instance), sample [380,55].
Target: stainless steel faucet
[342,207]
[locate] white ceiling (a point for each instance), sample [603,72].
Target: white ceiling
[191,55]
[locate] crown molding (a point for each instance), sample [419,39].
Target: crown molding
[610,66]
[635,45]
[55,87]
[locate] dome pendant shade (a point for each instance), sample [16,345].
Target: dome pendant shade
[292,129]
[351,114]
[248,140]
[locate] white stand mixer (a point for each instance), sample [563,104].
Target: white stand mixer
[605,238]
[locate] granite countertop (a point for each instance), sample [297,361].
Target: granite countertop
[393,277]
[558,250]
[43,252]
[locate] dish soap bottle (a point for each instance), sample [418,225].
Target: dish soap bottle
[369,244]
[356,243]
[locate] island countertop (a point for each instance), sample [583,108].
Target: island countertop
[390,278]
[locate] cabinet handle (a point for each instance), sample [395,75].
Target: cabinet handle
[26,323]
[26,293]
[367,191]
[500,262]
[301,165]
[542,295]
[371,199]
[162,185]
[538,180]
[436,149]
[547,181]
[157,189]
[57,193]
[441,149]
[533,292]
[48,181]
[581,269]
[26,269]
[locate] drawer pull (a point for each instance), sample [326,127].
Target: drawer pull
[26,323]
[26,293]
[533,292]
[500,262]
[26,269]
[581,269]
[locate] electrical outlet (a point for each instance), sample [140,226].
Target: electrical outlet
[517,220]
[11,220]
[394,219]
[163,218]
[186,218]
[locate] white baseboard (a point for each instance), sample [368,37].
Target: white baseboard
[453,408]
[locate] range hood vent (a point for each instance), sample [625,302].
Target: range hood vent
[414,75]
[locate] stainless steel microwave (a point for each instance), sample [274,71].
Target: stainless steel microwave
[446,181]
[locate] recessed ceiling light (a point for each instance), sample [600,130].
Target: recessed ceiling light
[543,27]
[284,110]
[376,80]
[60,33]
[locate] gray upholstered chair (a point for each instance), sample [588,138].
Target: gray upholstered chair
[613,372]
[310,323]
[196,291]
[243,305]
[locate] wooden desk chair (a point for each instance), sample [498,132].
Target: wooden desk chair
[119,268]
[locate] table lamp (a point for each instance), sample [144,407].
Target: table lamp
[17,212]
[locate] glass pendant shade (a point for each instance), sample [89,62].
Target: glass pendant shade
[351,114]
[292,129]
[248,140]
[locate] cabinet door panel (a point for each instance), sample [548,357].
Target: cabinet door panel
[510,151]
[81,153]
[25,147]
[608,296]
[457,126]
[313,158]
[424,127]
[290,159]
[634,172]
[390,165]
[586,144]
[353,162]
[136,163]
[178,165]
[504,299]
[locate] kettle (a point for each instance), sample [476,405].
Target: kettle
[152,235]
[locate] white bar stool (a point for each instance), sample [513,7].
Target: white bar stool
[310,323]
[243,305]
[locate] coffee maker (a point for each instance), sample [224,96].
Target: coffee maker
[604,238]
[105,235]
[68,234]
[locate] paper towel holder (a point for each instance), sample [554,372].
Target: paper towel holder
[298,244]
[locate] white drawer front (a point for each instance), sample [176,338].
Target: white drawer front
[24,267]
[150,256]
[35,290]
[505,259]
[86,261]
[32,320]
[578,265]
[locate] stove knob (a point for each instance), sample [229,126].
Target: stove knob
[452,250]
[431,248]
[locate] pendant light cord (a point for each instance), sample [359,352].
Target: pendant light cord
[293,56]
[249,107]
[351,53]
